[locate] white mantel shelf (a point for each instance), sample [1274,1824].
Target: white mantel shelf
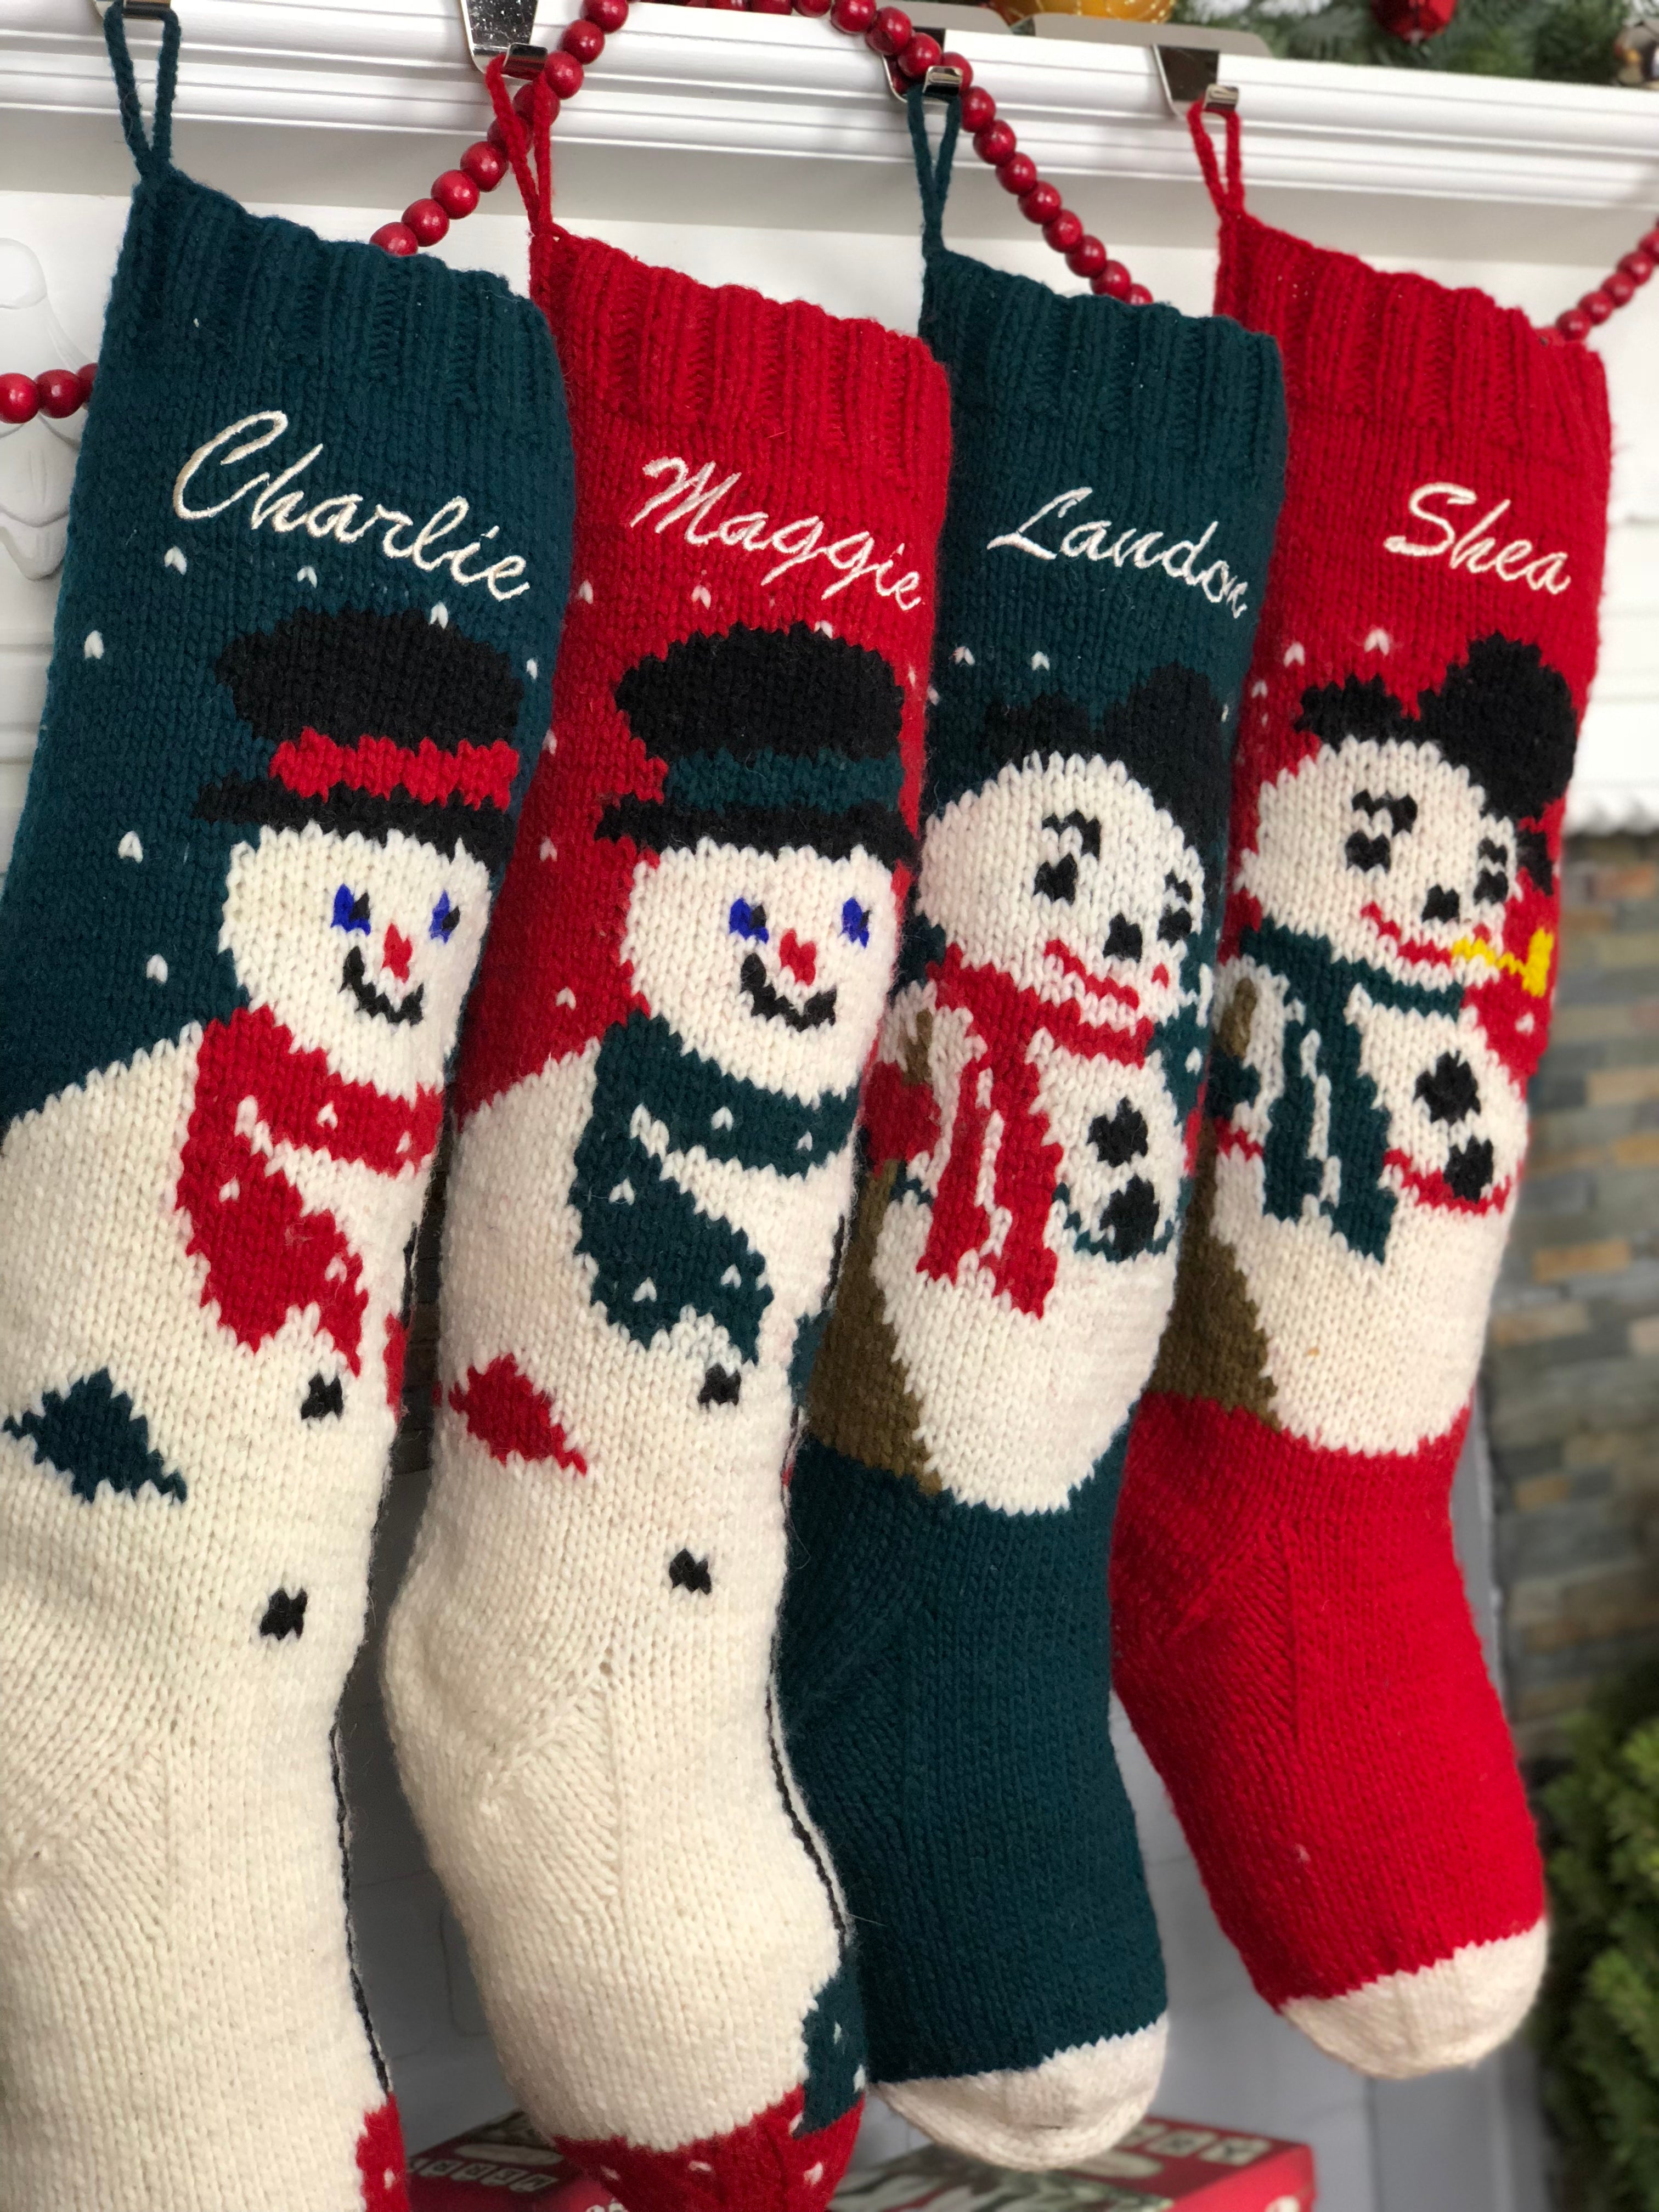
[761,120]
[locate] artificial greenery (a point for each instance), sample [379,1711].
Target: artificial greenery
[1597,2022]
[1568,40]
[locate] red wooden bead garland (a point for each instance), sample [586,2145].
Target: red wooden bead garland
[57,392]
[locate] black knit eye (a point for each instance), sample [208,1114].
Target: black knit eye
[1123,939]
[1492,887]
[1175,925]
[1057,879]
[1366,853]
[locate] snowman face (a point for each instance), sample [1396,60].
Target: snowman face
[1067,877]
[774,965]
[1387,850]
[362,949]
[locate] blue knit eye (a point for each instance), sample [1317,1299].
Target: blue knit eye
[445,917]
[746,921]
[350,913]
[855,922]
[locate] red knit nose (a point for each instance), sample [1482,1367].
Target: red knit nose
[801,960]
[395,952]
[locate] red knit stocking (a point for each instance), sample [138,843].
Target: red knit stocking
[658,1091]
[1294,1645]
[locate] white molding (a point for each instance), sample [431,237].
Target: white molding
[319,96]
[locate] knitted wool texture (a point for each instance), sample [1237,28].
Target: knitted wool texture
[1115,477]
[273,789]
[1294,1644]
[659,1086]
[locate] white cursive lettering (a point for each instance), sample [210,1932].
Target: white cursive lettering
[1516,562]
[283,508]
[690,497]
[1094,541]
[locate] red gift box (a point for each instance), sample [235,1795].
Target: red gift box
[500,2168]
[1162,2165]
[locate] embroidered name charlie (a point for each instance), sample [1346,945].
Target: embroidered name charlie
[1131,548]
[1518,562]
[691,498]
[284,509]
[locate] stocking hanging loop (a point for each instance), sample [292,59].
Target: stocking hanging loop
[932,177]
[152,155]
[1228,195]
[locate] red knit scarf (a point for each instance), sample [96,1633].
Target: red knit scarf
[267,1254]
[1006,1021]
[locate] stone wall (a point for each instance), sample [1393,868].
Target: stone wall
[1570,1383]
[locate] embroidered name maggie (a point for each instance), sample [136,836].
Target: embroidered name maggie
[1093,541]
[692,500]
[336,516]
[1517,563]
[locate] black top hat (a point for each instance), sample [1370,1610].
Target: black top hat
[773,739]
[1169,734]
[378,722]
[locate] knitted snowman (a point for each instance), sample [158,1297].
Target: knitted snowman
[1024,1101]
[1368,1090]
[697,1160]
[205,1350]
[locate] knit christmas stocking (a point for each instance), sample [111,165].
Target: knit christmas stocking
[944,1660]
[317,557]
[659,1086]
[1294,1644]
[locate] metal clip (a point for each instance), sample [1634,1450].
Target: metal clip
[139,11]
[503,28]
[938,83]
[1187,75]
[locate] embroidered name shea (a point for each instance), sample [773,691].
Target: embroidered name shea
[691,498]
[1132,548]
[1517,563]
[283,509]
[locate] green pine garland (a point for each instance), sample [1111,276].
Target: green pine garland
[1568,40]
[1597,2023]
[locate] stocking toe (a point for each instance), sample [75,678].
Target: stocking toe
[1072,2106]
[1450,2013]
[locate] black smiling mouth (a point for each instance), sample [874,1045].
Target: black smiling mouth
[769,1002]
[354,978]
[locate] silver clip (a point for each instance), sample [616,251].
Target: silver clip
[937,83]
[138,11]
[503,28]
[1187,75]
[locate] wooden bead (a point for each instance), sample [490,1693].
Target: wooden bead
[495,137]
[890,33]
[455,193]
[1017,174]
[427,219]
[854,17]
[19,400]
[1114,281]
[1573,324]
[1620,287]
[979,111]
[1597,305]
[396,239]
[1638,266]
[563,73]
[921,54]
[609,14]
[811,7]
[964,70]
[86,377]
[584,41]
[1138,297]
[60,390]
[1062,231]
[1649,242]
[484,165]
[994,143]
[1041,203]
[1087,257]
[770,7]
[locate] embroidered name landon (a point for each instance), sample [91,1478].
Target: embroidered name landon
[1094,541]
